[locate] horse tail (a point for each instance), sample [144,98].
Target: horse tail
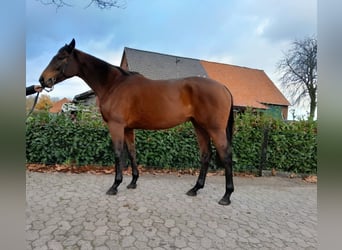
[230,125]
[229,133]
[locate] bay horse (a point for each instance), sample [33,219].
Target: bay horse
[129,101]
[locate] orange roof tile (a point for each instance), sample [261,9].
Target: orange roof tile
[57,106]
[249,87]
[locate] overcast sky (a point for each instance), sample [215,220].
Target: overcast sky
[250,33]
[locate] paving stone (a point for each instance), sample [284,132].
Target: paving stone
[153,242]
[37,225]
[43,247]
[221,233]
[55,245]
[128,241]
[32,235]
[180,242]
[89,225]
[64,225]
[126,231]
[150,232]
[101,248]
[84,245]
[72,211]
[71,240]
[100,230]
[169,223]
[111,244]
[141,244]
[100,240]
[124,222]
[88,235]
[206,243]
[140,236]
[174,231]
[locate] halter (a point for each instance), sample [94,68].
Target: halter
[48,90]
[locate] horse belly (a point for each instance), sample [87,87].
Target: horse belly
[160,116]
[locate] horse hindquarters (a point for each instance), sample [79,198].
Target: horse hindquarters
[214,115]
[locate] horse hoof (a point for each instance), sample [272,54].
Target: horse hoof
[224,202]
[132,186]
[112,191]
[192,192]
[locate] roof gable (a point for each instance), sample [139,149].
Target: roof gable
[161,66]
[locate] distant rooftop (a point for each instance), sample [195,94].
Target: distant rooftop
[168,66]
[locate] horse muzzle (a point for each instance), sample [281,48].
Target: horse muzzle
[48,83]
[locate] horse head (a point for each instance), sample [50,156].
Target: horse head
[62,66]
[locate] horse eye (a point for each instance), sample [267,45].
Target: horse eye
[61,57]
[59,65]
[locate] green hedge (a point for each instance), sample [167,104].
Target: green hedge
[57,139]
[292,146]
[52,139]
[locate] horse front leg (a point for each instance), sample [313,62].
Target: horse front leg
[117,135]
[129,140]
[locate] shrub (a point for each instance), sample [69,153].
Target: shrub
[52,139]
[57,139]
[292,146]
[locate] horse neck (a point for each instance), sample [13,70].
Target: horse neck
[96,72]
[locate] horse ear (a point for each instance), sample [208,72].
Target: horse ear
[71,46]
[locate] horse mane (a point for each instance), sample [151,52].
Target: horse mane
[122,71]
[126,72]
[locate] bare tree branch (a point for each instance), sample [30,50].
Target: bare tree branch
[107,4]
[299,69]
[57,3]
[101,4]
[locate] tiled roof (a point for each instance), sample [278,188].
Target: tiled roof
[249,87]
[84,95]
[57,106]
[161,66]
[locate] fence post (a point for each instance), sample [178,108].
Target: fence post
[263,154]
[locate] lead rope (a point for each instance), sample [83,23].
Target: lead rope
[36,100]
[34,105]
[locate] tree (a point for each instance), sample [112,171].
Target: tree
[299,69]
[102,4]
[44,103]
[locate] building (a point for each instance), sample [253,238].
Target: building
[57,106]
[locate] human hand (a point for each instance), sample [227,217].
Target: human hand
[38,88]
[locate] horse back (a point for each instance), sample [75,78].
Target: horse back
[143,103]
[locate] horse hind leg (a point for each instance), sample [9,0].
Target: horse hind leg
[224,150]
[129,139]
[205,152]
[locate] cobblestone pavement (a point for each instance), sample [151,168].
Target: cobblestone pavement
[72,211]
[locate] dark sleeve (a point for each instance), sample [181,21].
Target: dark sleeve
[30,90]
